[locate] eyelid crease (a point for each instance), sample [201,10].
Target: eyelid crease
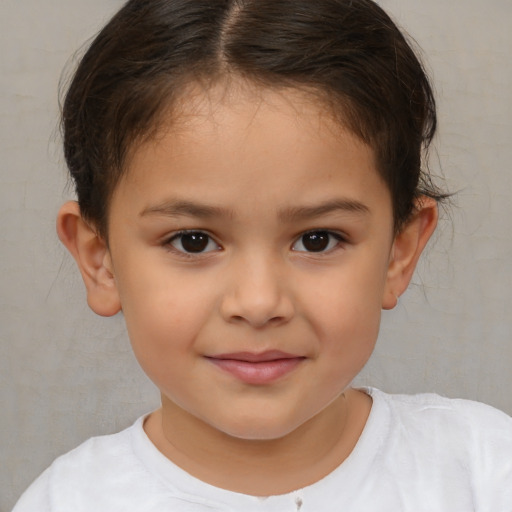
[340,238]
[337,233]
[167,243]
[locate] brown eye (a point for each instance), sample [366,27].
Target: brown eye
[317,241]
[194,242]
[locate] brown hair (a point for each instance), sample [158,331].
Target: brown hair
[348,51]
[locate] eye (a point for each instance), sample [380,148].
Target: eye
[193,242]
[317,241]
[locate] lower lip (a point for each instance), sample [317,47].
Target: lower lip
[263,372]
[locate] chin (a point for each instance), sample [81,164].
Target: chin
[259,429]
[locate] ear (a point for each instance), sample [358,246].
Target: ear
[92,257]
[407,248]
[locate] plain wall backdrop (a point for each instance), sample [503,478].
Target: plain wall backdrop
[66,375]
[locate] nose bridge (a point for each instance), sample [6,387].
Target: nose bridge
[258,291]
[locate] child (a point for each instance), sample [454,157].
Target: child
[250,196]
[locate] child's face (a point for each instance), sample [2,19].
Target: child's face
[251,247]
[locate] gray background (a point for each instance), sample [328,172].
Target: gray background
[66,375]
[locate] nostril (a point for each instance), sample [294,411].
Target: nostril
[276,320]
[257,301]
[258,322]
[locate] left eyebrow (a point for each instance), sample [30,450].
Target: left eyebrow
[335,205]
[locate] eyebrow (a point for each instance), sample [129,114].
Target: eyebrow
[332,206]
[204,211]
[185,208]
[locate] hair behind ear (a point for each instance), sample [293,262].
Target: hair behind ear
[92,256]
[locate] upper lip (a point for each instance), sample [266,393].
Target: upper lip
[256,357]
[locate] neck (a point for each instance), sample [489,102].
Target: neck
[261,467]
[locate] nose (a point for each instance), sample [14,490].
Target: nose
[257,293]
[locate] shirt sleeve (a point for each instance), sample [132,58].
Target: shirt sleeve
[36,498]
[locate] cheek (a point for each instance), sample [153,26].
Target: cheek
[348,332]
[347,343]
[345,312]
[163,335]
[163,314]
[348,298]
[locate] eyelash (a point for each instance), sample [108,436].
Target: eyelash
[332,236]
[338,239]
[168,243]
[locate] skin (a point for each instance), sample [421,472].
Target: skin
[254,170]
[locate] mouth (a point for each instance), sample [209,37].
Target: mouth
[257,368]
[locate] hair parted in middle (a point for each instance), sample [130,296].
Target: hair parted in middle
[349,53]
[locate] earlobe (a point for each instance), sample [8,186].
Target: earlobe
[407,248]
[92,257]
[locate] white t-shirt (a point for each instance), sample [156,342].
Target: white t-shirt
[416,453]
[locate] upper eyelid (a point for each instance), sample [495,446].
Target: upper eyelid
[167,244]
[340,238]
[167,240]
[342,235]
[180,232]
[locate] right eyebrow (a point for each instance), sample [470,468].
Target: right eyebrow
[185,208]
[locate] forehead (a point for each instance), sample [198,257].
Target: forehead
[222,101]
[231,143]
[241,105]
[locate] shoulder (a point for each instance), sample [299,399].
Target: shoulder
[118,473]
[82,472]
[468,439]
[479,419]
[96,456]
[35,498]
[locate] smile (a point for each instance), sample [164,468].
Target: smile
[257,369]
